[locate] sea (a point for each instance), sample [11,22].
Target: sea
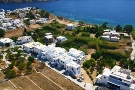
[115,12]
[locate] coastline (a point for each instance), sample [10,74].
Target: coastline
[28,1]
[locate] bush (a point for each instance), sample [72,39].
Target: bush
[89,63]
[21,66]
[86,64]
[30,58]
[2,33]
[114,54]
[10,74]
[85,34]
[129,43]
[133,34]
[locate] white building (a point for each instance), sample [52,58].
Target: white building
[3,41]
[111,35]
[49,39]
[63,59]
[41,20]
[73,68]
[77,54]
[58,56]
[32,21]
[17,23]
[109,38]
[70,26]
[33,47]
[24,39]
[61,39]
[118,78]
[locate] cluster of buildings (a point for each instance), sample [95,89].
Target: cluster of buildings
[70,61]
[4,41]
[20,40]
[117,78]
[10,23]
[49,38]
[111,35]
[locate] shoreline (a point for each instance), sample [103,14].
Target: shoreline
[22,1]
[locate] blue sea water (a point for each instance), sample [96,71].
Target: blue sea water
[90,11]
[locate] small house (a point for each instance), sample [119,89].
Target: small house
[24,39]
[70,26]
[73,68]
[61,39]
[5,41]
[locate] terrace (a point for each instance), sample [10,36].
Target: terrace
[43,82]
[21,84]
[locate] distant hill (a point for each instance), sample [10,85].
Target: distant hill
[20,1]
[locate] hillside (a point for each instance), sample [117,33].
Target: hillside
[19,1]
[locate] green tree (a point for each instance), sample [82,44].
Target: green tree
[94,55]
[11,57]
[24,32]
[86,64]
[128,28]
[11,65]
[10,74]
[47,14]
[7,44]
[81,23]
[118,28]
[2,33]
[85,34]
[21,66]
[14,38]
[30,58]
[104,25]
[27,22]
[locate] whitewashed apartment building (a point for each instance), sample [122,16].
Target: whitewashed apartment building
[57,55]
[119,79]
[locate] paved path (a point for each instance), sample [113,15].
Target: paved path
[133,47]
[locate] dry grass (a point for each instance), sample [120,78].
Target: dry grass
[6,86]
[24,84]
[1,76]
[123,44]
[61,80]
[12,33]
[2,64]
[43,82]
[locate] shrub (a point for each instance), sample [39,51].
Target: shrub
[30,58]
[10,74]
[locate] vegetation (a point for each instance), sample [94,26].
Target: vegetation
[30,15]
[30,58]
[2,33]
[9,73]
[133,34]
[27,22]
[128,28]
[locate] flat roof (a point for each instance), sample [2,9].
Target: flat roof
[73,64]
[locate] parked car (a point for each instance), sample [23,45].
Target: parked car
[79,80]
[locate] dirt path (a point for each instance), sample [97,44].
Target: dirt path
[86,77]
[90,51]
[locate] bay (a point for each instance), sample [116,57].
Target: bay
[90,11]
